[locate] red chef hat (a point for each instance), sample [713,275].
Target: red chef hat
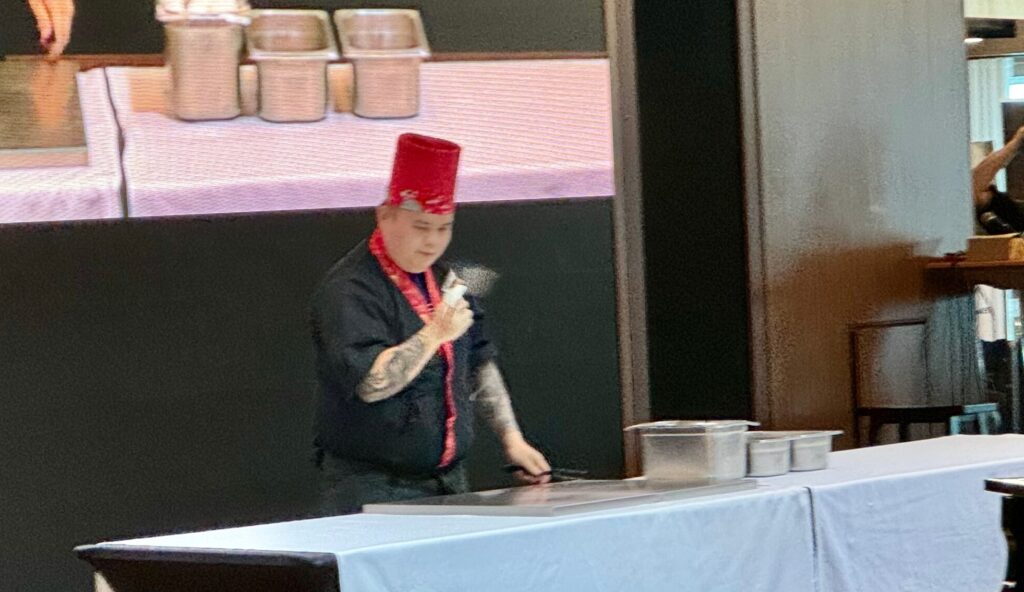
[423,177]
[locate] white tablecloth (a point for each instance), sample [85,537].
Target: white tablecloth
[529,130]
[759,541]
[71,193]
[912,516]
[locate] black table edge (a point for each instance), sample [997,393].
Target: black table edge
[205,555]
[1008,486]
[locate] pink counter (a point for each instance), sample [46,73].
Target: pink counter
[530,130]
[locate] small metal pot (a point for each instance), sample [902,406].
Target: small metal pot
[385,47]
[203,45]
[768,454]
[811,449]
[291,49]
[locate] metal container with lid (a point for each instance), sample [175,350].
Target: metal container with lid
[203,45]
[694,451]
[291,49]
[385,47]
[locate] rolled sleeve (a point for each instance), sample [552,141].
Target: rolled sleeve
[350,332]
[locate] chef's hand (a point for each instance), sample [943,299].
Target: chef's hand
[53,19]
[519,452]
[450,322]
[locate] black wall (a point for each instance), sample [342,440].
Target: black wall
[128,26]
[694,227]
[157,374]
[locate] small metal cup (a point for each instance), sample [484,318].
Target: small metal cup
[386,47]
[291,49]
[203,57]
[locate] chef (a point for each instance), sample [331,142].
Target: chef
[402,358]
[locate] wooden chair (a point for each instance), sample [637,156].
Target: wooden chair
[985,416]
[889,372]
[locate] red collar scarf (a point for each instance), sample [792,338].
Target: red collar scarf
[425,310]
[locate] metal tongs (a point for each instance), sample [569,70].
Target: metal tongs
[557,474]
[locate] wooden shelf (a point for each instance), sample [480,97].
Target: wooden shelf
[961,275]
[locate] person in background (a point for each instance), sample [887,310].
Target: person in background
[994,210]
[53,19]
[402,369]
[996,213]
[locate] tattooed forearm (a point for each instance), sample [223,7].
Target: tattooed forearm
[492,400]
[394,369]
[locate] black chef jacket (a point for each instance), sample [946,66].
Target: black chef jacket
[357,312]
[1002,215]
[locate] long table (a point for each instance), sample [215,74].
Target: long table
[910,516]
[666,546]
